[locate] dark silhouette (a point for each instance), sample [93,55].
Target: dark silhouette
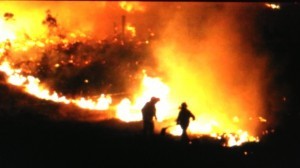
[8,16]
[50,21]
[183,120]
[149,114]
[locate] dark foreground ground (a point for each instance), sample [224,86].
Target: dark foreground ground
[31,138]
[35,142]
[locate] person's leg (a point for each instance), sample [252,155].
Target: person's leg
[184,133]
[151,128]
[145,128]
[184,136]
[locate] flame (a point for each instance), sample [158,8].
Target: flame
[219,114]
[33,86]
[239,138]
[272,5]
[102,103]
[128,111]
[6,31]
[30,84]
[10,33]
[131,29]
[166,113]
[131,6]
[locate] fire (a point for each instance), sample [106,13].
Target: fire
[128,111]
[30,84]
[102,103]
[272,5]
[131,29]
[33,86]
[131,6]
[6,31]
[167,113]
[214,129]
[224,108]
[239,138]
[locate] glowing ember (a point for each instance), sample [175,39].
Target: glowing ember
[262,119]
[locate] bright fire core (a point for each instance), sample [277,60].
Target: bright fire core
[221,83]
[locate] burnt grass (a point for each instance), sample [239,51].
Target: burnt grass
[33,134]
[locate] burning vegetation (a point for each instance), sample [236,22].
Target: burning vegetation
[203,54]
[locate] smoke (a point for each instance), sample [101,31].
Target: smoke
[207,52]
[209,58]
[38,20]
[95,18]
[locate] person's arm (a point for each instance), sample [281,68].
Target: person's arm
[193,116]
[178,118]
[155,117]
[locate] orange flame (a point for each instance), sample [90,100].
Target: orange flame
[166,112]
[272,5]
[131,29]
[32,86]
[6,31]
[127,111]
[216,114]
[131,6]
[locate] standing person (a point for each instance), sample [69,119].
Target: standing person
[149,114]
[183,119]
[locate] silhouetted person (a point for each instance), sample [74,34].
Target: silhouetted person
[183,120]
[149,114]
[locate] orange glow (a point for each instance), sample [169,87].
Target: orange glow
[272,5]
[6,32]
[32,86]
[131,6]
[131,29]
[102,103]
[128,111]
[220,82]
[215,73]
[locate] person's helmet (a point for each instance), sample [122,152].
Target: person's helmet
[183,105]
[154,99]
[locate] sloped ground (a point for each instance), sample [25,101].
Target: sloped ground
[31,137]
